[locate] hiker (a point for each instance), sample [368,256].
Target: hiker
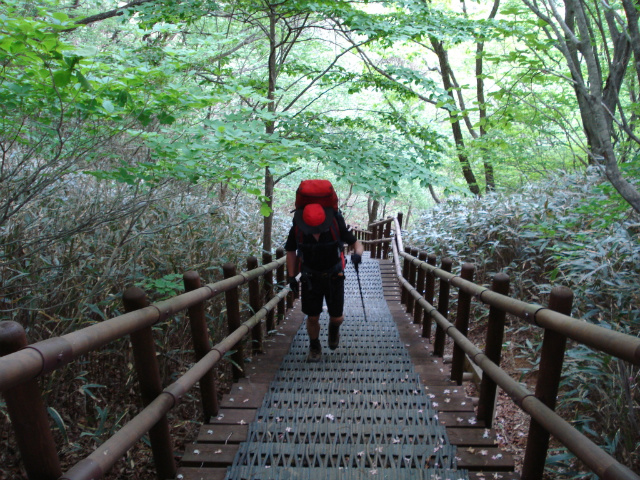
[315,245]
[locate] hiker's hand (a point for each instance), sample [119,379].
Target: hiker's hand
[356,260]
[293,285]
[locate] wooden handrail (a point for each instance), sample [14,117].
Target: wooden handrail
[111,451]
[22,367]
[620,345]
[617,344]
[381,222]
[50,354]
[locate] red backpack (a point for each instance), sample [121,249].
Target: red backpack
[316,191]
[322,193]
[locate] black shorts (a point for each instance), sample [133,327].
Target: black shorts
[316,287]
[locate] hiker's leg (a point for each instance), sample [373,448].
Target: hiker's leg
[311,305]
[335,305]
[335,298]
[313,327]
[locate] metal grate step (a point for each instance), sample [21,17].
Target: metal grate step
[362,434]
[280,473]
[348,400]
[361,412]
[345,456]
[375,386]
[348,377]
[371,416]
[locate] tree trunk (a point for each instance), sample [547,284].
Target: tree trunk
[631,9]
[490,184]
[372,210]
[597,99]
[434,195]
[598,115]
[267,225]
[445,69]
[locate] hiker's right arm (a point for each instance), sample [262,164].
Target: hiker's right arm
[292,264]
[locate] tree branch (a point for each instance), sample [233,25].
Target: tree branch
[116,12]
[318,77]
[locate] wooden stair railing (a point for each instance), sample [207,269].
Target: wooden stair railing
[21,364]
[557,325]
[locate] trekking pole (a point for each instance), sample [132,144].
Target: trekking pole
[364,311]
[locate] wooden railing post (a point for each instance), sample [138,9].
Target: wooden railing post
[462,323]
[148,371]
[233,321]
[268,291]
[551,359]
[386,234]
[417,311]
[201,346]
[412,280]
[405,274]
[493,351]
[28,414]
[429,291]
[280,281]
[374,246]
[372,236]
[400,216]
[443,308]
[255,304]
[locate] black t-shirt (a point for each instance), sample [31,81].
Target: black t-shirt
[321,254]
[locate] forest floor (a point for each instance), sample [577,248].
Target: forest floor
[511,423]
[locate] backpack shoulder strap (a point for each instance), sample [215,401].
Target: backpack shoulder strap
[299,235]
[335,230]
[335,233]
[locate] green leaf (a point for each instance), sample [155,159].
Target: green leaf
[63,17]
[86,51]
[166,119]
[265,210]
[82,80]
[59,422]
[108,106]
[61,78]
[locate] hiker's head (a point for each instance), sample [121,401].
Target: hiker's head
[314,218]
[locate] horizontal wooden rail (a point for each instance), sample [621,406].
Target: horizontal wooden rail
[359,231]
[45,356]
[98,463]
[623,346]
[614,343]
[22,364]
[380,240]
[381,222]
[591,454]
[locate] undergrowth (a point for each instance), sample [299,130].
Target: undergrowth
[66,257]
[570,231]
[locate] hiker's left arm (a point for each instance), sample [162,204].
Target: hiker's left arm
[358,247]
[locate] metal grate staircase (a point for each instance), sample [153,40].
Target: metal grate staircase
[360,413]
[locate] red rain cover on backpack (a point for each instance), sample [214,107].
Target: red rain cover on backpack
[316,191]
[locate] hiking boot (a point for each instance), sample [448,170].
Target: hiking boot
[334,335]
[315,351]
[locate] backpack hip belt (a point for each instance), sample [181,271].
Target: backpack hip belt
[337,268]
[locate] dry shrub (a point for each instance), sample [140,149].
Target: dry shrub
[66,257]
[570,231]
